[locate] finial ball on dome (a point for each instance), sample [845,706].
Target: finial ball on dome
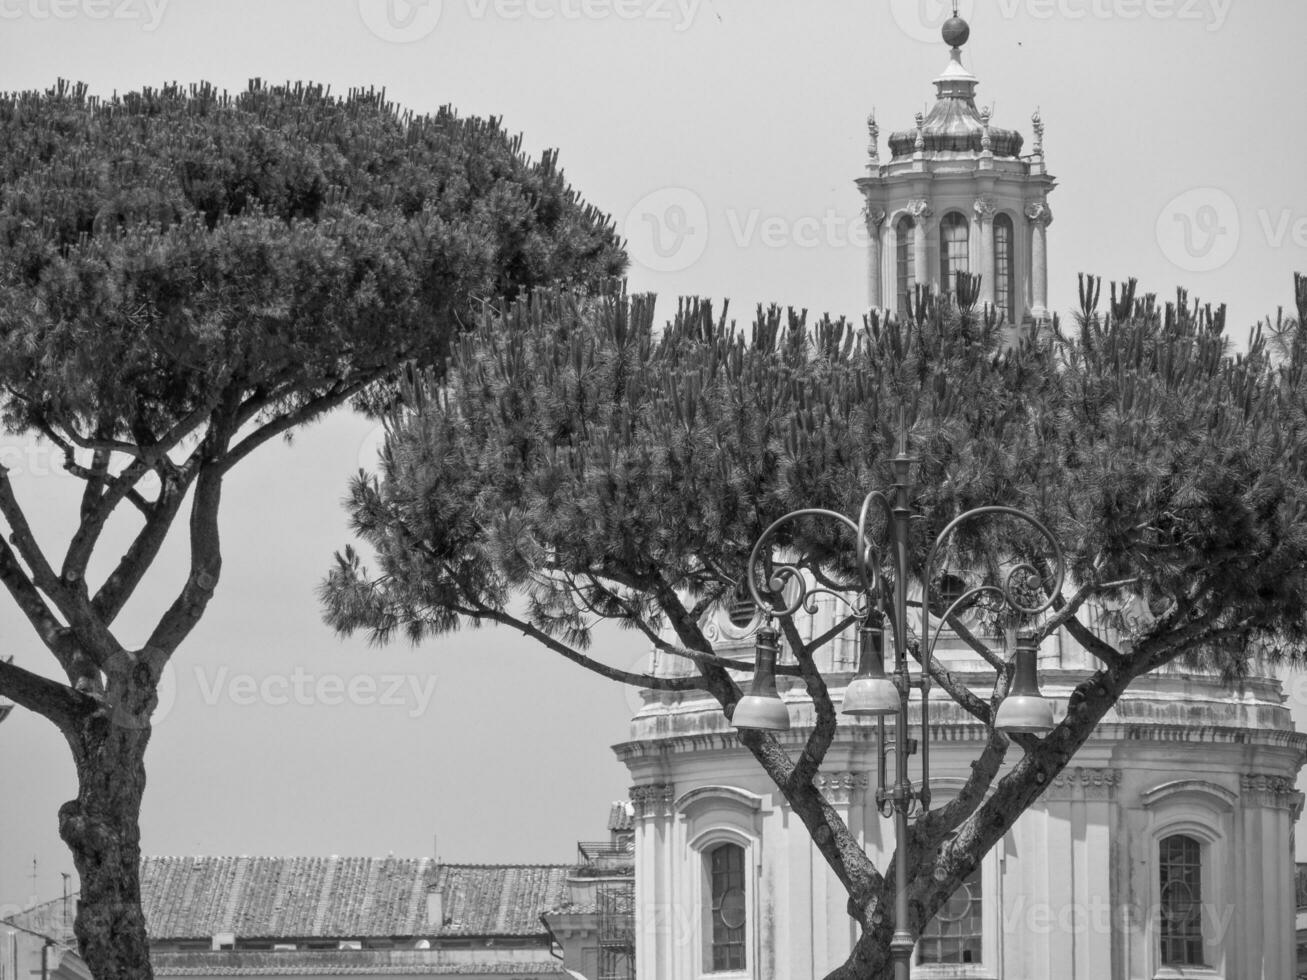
[955,31]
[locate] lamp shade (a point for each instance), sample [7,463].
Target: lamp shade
[762,707]
[871,693]
[1025,709]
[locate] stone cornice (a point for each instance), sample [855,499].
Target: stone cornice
[842,788]
[1084,783]
[973,732]
[731,794]
[1204,789]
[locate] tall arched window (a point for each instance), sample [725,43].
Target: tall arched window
[1180,860]
[954,255]
[904,279]
[1005,287]
[953,936]
[728,909]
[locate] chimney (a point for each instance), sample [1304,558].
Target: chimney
[435,908]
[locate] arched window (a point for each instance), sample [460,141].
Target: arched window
[904,278]
[1180,861]
[948,590]
[953,936]
[728,908]
[954,256]
[740,607]
[1005,291]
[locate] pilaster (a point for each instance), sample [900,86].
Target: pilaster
[1039,216]
[921,212]
[983,235]
[875,216]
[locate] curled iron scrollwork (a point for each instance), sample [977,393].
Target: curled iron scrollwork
[782,588]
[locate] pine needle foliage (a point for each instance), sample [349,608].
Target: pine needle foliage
[573,442]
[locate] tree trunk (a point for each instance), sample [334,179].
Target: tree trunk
[870,959]
[102,829]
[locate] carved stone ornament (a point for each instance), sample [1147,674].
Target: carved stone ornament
[1083,783]
[986,143]
[1039,212]
[984,208]
[1037,124]
[1272,791]
[874,215]
[919,208]
[653,800]
[873,138]
[841,787]
[920,143]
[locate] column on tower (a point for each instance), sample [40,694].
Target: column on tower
[921,212]
[1040,217]
[983,235]
[875,286]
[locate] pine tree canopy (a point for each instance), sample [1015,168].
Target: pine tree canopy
[171,251]
[602,468]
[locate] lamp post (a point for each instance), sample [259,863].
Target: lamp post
[874,694]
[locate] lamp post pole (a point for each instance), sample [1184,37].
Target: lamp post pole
[902,942]
[872,693]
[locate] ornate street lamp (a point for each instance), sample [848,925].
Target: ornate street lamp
[782,589]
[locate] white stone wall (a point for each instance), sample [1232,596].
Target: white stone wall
[1070,893]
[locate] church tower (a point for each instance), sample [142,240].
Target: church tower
[958,196]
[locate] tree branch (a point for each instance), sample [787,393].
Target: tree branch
[1066,616]
[975,642]
[205,544]
[482,611]
[823,732]
[958,691]
[21,535]
[52,632]
[284,423]
[118,588]
[57,703]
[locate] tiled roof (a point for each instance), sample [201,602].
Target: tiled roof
[621,815]
[53,919]
[499,899]
[354,898]
[371,962]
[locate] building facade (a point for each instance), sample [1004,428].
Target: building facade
[1163,851]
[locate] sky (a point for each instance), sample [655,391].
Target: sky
[723,136]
